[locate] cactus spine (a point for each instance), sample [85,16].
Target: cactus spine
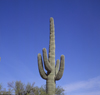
[53,72]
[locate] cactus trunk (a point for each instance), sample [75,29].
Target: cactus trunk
[50,85]
[53,72]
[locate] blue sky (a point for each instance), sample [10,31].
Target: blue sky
[24,32]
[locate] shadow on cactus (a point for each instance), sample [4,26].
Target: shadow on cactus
[54,73]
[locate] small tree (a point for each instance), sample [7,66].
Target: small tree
[3,91]
[59,90]
[0,88]
[18,87]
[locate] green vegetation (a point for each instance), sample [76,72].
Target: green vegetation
[19,88]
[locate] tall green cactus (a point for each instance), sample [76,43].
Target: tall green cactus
[53,72]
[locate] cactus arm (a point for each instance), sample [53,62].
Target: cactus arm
[60,72]
[40,66]
[46,63]
[57,67]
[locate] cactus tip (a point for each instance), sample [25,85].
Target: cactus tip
[51,19]
[39,54]
[62,55]
[44,49]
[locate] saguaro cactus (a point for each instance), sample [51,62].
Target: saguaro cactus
[53,72]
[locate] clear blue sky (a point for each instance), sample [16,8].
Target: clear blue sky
[24,32]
